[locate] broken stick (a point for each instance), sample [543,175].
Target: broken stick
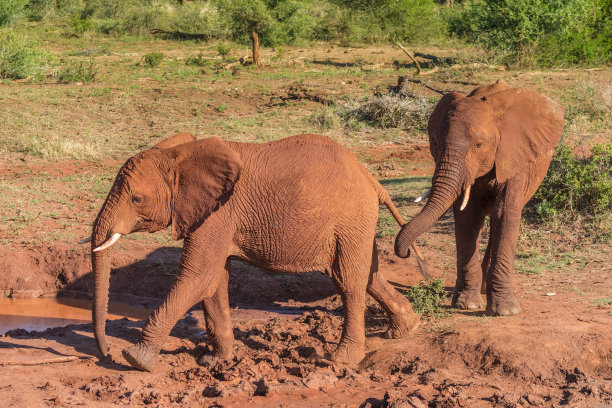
[409,54]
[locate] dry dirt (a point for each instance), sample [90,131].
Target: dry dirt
[556,352]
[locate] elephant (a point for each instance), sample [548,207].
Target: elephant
[492,150]
[300,204]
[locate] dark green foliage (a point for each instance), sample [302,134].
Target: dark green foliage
[10,10]
[539,32]
[196,60]
[427,298]
[153,59]
[20,57]
[82,71]
[576,186]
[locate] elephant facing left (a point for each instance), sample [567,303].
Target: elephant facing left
[299,204]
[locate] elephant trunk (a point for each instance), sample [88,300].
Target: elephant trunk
[100,262]
[447,185]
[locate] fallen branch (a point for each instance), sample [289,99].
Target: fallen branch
[39,362]
[411,57]
[436,60]
[181,35]
[400,81]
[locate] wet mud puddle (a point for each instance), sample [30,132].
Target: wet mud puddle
[43,313]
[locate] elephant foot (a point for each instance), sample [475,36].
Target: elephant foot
[503,306]
[350,355]
[401,325]
[210,359]
[467,300]
[141,356]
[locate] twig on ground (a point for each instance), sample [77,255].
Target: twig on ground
[401,79]
[63,359]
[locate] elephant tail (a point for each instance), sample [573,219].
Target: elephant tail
[384,198]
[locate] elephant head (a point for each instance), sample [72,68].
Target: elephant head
[495,130]
[178,182]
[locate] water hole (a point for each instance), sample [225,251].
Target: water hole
[44,313]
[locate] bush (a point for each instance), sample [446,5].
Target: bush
[576,186]
[197,60]
[10,10]
[539,32]
[153,59]
[20,57]
[427,298]
[83,71]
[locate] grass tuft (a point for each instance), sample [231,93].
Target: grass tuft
[83,71]
[153,59]
[427,299]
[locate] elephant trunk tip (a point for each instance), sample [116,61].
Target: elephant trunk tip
[402,249]
[102,345]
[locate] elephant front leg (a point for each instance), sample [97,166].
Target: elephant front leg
[218,323]
[200,271]
[468,225]
[505,222]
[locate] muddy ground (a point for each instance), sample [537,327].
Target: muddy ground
[556,352]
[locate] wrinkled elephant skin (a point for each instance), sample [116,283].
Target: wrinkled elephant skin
[299,204]
[492,150]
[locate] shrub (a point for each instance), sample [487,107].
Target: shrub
[541,32]
[20,57]
[576,186]
[427,298]
[81,25]
[223,50]
[153,59]
[196,60]
[11,10]
[83,71]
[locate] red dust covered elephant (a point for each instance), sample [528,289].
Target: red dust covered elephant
[492,150]
[299,204]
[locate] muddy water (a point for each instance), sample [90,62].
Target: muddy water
[43,313]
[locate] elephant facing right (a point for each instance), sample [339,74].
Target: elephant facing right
[492,150]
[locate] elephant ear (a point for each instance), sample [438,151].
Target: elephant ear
[530,125]
[437,126]
[175,140]
[205,173]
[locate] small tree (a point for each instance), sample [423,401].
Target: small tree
[248,19]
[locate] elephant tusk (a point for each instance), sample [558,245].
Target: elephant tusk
[466,197]
[108,243]
[425,195]
[84,241]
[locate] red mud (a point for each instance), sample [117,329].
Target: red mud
[557,352]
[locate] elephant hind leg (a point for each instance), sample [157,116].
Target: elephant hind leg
[402,319]
[218,322]
[349,272]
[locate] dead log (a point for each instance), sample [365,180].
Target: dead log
[179,35]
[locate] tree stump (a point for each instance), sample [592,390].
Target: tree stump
[256,58]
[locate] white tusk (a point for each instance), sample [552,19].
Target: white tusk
[425,195]
[84,241]
[108,243]
[466,197]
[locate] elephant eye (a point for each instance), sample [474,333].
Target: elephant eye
[478,145]
[136,199]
